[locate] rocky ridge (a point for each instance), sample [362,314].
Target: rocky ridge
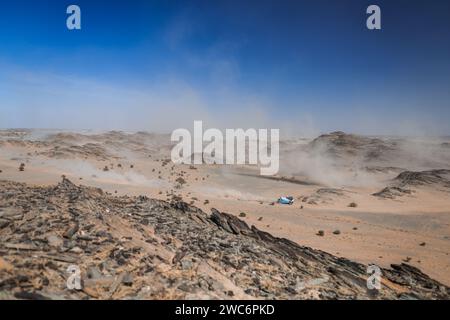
[141,248]
[407,181]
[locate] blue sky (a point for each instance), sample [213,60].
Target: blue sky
[301,66]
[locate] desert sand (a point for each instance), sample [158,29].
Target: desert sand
[381,200]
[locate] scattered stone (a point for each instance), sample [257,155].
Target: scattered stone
[353,205]
[336,232]
[186,264]
[242,215]
[71,231]
[320,233]
[127,279]
[77,250]
[4,223]
[54,241]
[94,273]
[180,180]
[151,249]
[20,246]
[29,296]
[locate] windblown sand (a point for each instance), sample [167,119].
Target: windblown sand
[324,176]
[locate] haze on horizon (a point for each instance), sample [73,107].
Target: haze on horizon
[303,67]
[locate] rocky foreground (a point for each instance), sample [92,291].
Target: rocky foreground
[140,248]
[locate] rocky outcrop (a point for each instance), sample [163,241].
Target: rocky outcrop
[439,177]
[141,248]
[341,145]
[407,181]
